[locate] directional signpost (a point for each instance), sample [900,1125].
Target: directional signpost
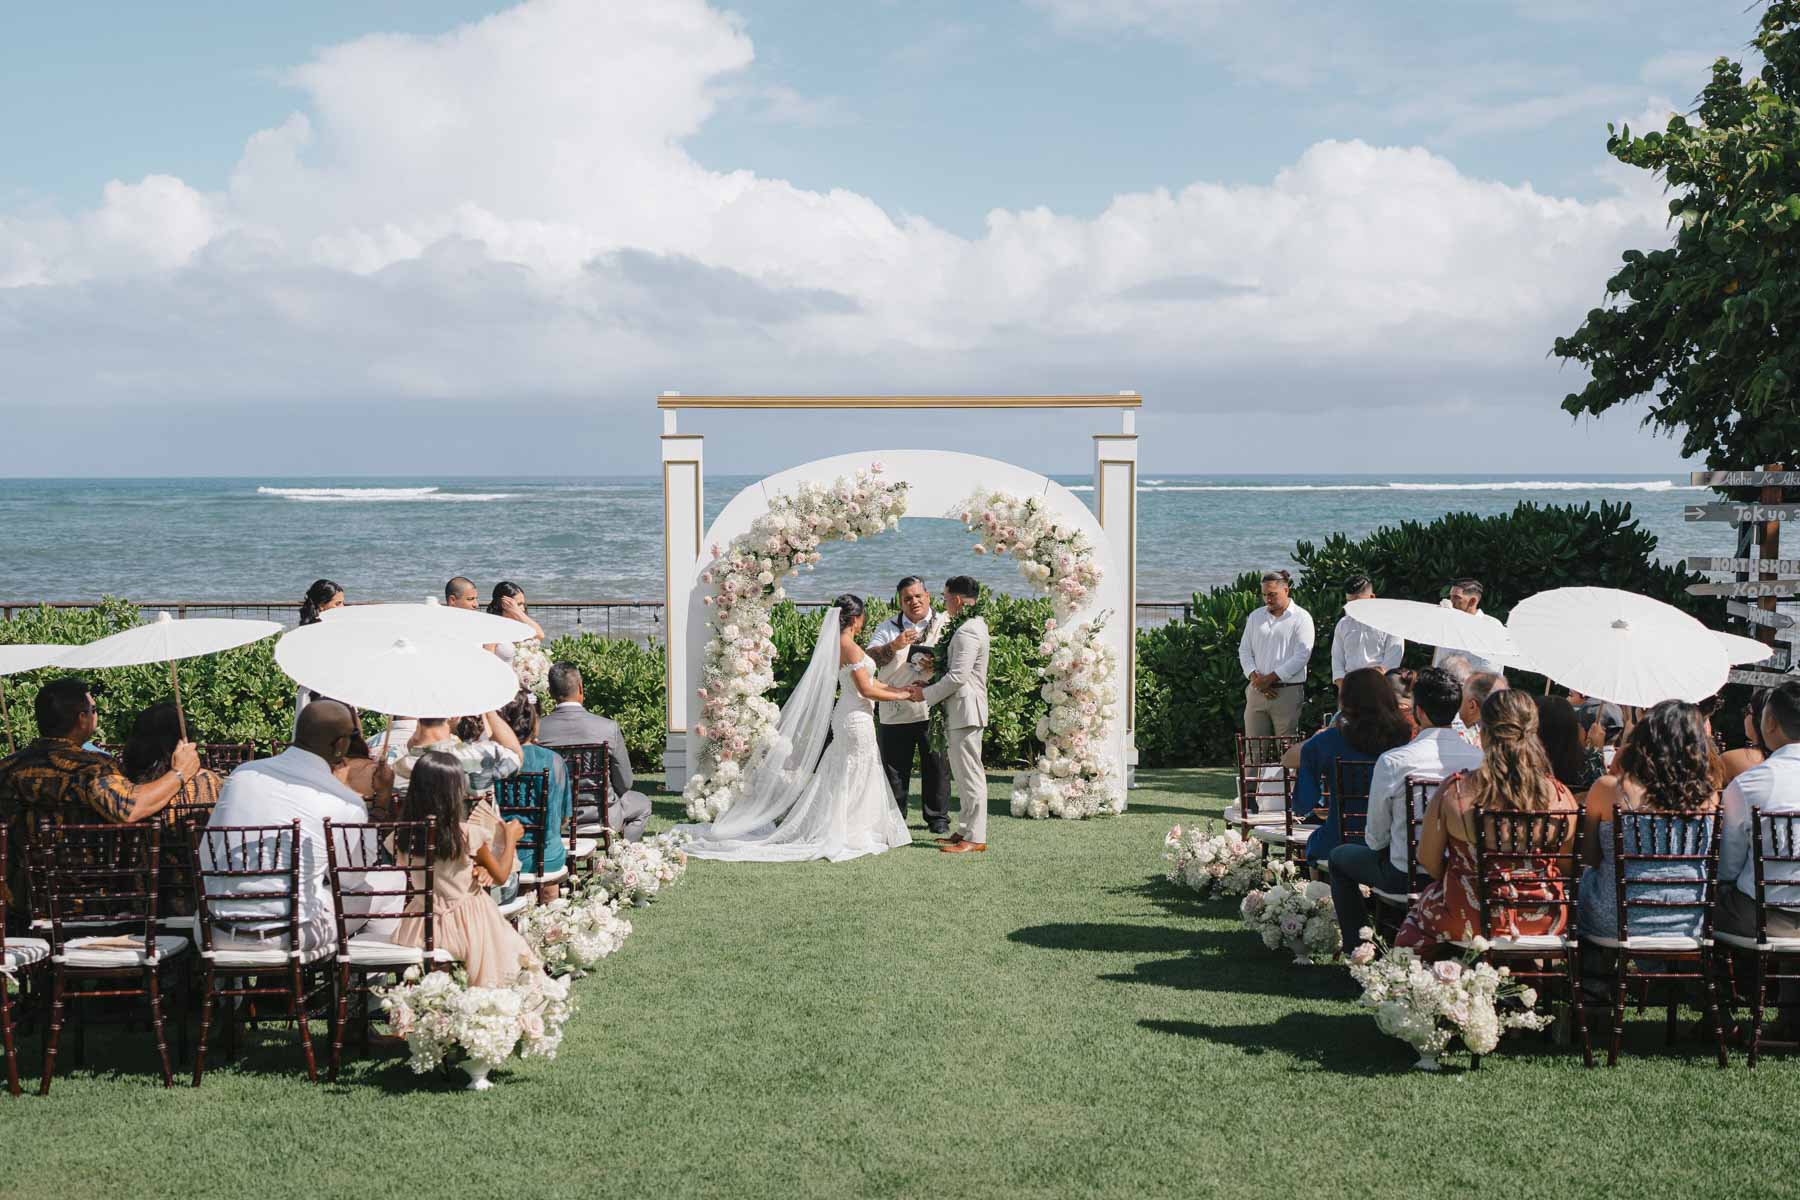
[1752,588]
[1739,514]
[1780,622]
[1757,566]
[1761,679]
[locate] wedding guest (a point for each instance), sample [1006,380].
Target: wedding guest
[509,602]
[466,922]
[1274,651]
[1772,787]
[491,753]
[296,784]
[521,716]
[461,593]
[1465,596]
[359,772]
[1403,682]
[1666,765]
[1514,775]
[571,724]
[1751,754]
[320,598]
[1575,762]
[1435,753]
[1369,724]
[1476,689]
[149,754]
[1355,645]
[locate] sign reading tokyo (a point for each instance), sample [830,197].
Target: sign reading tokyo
[1742,514]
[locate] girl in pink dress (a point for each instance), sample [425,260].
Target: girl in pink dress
[467,922]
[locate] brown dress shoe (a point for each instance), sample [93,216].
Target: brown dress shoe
[948,841]
[965,847]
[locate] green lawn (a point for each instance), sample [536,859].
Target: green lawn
[1045,1019]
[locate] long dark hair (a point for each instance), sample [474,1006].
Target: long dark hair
[1559,729]
[152,743]
[502,590]
[1669,754]
[317,597]
[438,789]
[1373,722]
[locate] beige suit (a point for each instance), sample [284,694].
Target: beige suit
[963,694]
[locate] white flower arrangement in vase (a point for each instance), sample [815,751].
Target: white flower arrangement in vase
[737,721]
[1212,863]
[1296,915]
[572,934]
[1427,1005]
[635,872]
[444,1020]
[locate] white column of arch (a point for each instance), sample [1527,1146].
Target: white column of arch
[684,517]
[1115,503]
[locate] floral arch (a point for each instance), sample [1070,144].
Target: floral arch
[1012,511]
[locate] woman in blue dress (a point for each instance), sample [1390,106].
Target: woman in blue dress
[1369,724]
[522,717]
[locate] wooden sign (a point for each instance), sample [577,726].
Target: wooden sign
[1747,588]
[1778,660]
[1749,566]
[1742,513]
[1757,616]
[1745,478]
[1762,678]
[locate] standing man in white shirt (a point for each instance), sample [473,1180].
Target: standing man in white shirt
[905,725]
[1465,596]
[1274,651]
[1355,645]
[1773,787]
[1437,752]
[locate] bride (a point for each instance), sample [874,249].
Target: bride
[843,810]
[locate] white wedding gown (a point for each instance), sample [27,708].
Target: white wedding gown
[843,810]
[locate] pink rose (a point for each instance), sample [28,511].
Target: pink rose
[1447,971]
[1364,954]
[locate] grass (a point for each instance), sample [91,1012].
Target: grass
[1047,1019]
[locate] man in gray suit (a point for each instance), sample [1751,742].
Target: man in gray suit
[571,724]
[963,692]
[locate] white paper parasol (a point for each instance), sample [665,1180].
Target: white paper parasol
[15,659]
[1742,650]
[433,620]
[1619,646]
[373,667]
[168,640]
[1435,625]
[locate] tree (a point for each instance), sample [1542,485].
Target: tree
[1709,329]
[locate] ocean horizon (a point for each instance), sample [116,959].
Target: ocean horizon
[390,537]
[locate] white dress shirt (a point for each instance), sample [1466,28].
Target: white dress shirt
[1436,753]
[1279,644]
[1355,646]
[1774,787]
[274,791]
[899,673]
[1476,662]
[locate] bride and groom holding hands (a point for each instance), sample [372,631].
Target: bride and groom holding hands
[831,786]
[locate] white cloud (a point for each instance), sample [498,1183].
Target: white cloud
[507,211]
[1684,69]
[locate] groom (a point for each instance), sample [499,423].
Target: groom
[963,693]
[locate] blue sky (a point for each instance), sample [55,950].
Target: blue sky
[1242,208]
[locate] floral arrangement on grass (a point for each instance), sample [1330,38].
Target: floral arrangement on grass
[737,722]
[444,1020]
[1295,914]
[1429,1004]
[1074,777]
[1212,863]
[635,872]
[531,665]
[572,934]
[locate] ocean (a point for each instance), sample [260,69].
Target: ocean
[265,539]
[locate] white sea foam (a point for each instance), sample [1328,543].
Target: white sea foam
[376,495]
[1523,485]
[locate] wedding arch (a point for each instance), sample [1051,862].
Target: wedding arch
[1089,649]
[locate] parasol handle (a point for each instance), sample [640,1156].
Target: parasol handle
[180,716]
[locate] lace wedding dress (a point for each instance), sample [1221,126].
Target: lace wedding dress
[790,813]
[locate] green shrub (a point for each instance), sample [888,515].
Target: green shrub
[624,681]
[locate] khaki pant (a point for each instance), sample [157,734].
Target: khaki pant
[1280,716]
[964,746]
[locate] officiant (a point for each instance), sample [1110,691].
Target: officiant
[905,726]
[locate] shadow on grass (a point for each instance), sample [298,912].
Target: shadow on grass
[1337,1043]
[1226,961]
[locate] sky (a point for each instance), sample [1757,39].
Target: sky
[410,237]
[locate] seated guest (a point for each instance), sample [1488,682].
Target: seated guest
[521,715]
[466,922]
[1476,689]
[1403,681]
[461,593]
[1514,775]
[1665,766]
[297,783]
[1751,754]
[359,773]
[1369,724]
[54,778]
[149,754]
[491,753]
[1773,787]
[1355,645]
[509,602]
[1435,753]
[1575,762]
[571,724]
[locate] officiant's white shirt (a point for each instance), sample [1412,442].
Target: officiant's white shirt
[1355,646]
[897,673]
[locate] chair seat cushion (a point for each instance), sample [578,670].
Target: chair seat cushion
[516,905]
[108,952]
[1532,941]
[556,876]
[1660,941]
[373,952]
[1236,816]
[583,847]
[1274,835]
[274,956]
[1745,942]
[22,952]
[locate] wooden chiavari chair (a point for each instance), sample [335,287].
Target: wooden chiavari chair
[227,857]
[221,758]
[354,855]
[1390,908]
[1263,784]
[525,798]
[590,786]
[23,962]
[1350,798]
[1775,843]
[99,887]
[1684,845]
